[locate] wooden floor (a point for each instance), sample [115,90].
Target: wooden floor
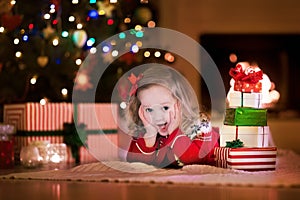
[44,190]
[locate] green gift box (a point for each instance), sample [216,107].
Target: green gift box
[245,117]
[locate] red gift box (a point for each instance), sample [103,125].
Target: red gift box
[52,116]
[36,122]
[247,87]
[37,117]
[249,159]
[247,78]
[97,116]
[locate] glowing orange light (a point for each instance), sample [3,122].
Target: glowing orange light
[169,57]
[233,57]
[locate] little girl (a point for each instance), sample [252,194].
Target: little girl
[165,121]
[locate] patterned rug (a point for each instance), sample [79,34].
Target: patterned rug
[287,174]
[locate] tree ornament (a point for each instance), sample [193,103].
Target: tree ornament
[79,38]
[57,3]
[128,58]
[105,8]
[42,61]
[82,81]
[107,57]
[143,14]
[48,31]
[21,66]
[10,22]
[93,14]
[5,6]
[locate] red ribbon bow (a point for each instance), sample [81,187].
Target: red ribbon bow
[134,80]
[239,74]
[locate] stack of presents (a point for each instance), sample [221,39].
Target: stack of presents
[244,136]
[36,122]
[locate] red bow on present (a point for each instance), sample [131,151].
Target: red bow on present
[134,80]
[239,74]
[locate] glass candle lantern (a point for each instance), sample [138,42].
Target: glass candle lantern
[43,147]
[57,153]
[30,157]
[7,132]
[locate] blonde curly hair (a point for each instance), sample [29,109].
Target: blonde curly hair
[171,79]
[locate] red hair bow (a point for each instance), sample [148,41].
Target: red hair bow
[134,80]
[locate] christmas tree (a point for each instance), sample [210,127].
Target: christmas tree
[45,42]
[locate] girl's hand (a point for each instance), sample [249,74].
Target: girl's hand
[175,118]
[151,131]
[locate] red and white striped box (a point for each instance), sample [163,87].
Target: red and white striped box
[52,116]
[103,147]
[33,120]
[37,117]
[85,156]
[97,116]
[101,126]
[249,159]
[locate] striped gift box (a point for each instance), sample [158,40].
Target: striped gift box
[101,127]
[37,117]
[36,122]
[100,147]
[249,159]
[221,155]
[103,147]
[85,156]
[101,116]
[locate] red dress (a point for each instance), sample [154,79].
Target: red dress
[177,149]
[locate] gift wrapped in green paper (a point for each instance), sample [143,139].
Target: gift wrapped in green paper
[243,116]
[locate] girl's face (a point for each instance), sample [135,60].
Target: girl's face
[159,108]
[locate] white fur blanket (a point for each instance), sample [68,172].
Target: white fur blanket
[287,174]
